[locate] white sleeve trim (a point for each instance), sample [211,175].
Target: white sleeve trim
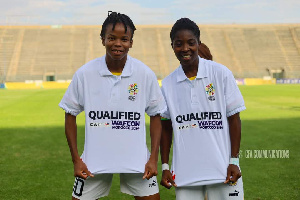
[164,115]
[159,112]
[237,110]
[67,110]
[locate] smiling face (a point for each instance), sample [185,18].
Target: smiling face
[185,46]
[117,42]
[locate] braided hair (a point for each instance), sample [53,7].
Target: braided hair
[185,24]
[114,18]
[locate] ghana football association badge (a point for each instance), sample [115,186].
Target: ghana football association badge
[210,91]
[132,90]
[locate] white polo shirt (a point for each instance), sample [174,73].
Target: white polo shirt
[199,110]
[115,106]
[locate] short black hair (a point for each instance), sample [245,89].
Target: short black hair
[114,18]
[185,24]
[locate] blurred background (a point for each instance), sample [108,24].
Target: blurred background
[49,40]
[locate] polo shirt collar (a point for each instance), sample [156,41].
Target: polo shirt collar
[127,70]
[202,72]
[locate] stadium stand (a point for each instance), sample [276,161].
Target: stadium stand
[51,53]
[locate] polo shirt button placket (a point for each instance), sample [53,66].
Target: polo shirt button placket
[194,98]
[115,91]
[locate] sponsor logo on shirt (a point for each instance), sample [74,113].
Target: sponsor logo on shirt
[119,119]
[205,120]
[210,91]
[213,124]
[198,116]
[133,90]
[188,126]
[105,124]
[130,125]
[114,115]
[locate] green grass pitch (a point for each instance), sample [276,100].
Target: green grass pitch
[35,162]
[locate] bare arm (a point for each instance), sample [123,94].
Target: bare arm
[234,122]
[71,134]
[165,146]
[166,140]
[155,134]
[80,169]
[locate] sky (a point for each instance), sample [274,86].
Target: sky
[94,12]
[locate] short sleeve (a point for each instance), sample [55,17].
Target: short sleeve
[155,101]
[234,99]
[166,114]
[72,101]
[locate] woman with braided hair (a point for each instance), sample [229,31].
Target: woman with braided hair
[115,91]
